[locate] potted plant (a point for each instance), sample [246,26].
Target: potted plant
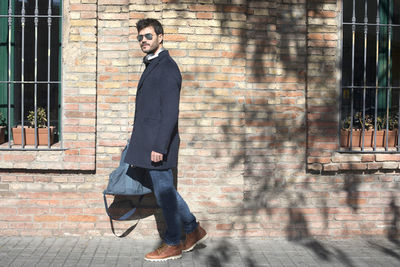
[391,132]
[29,132]
[2,128]
[368,123]
[355,132]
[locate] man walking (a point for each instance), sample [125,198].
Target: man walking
[153,149]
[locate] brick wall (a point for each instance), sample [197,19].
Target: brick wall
[258,122]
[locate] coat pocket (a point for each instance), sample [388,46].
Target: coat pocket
[146,133]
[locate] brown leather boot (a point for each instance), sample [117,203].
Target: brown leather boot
[165,252]
[194,238]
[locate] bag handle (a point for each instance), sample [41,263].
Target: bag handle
[123,217]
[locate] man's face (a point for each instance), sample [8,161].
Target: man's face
[149,46]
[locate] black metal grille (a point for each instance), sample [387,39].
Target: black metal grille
[33,78]
[370,95]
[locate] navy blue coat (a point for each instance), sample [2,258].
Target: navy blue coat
[155,125]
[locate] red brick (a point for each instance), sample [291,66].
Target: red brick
[367,158]
[318,36]
[34,195]
[32,210]
[353,166]
[322,14]
[225,226]
[81,218]
[318,160]
[204,15]
[22,225]
[19,157]
[8,178]
[82,7]
[353,201]
[375,166]
[387,157]
[175,38]
[48,218]
[8,211]
[135,15]
[239,9]
[207,8]
[112,2]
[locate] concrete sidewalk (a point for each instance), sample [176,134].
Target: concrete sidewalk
[80,251]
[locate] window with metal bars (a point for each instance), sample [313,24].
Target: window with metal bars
[369,108]
[30,74]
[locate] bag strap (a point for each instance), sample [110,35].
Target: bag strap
[123,217]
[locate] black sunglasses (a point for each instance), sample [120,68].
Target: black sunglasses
[148,36]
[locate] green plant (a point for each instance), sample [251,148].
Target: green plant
[380,123]
[2,120]
[393,122]
[41,117]
[358,122]
[369,122]
[346,123]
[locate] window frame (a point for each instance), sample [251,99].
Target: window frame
[11,81]
[389,26]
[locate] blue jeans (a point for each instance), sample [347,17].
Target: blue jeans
[174,208]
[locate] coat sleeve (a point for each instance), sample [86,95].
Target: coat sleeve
[169,107]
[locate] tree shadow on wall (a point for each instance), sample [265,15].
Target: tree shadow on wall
[271,135]
[393,228]
[272,130]
[351,186]
[392,215]
[297,231]
[274,124]
[271,125]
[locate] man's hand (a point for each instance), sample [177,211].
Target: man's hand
[156,157]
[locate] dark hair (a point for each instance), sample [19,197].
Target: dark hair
[144,23]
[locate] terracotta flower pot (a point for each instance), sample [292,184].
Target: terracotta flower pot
[368,138]
[381,138]
[2,134]
[356,138]
[29,136]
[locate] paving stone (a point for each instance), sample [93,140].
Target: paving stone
[74,251]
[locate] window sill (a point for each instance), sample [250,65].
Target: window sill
[44,158]
[371,161]
[369,150]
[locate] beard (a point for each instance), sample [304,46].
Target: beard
[150,49]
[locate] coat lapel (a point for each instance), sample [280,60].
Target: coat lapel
[147,71]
